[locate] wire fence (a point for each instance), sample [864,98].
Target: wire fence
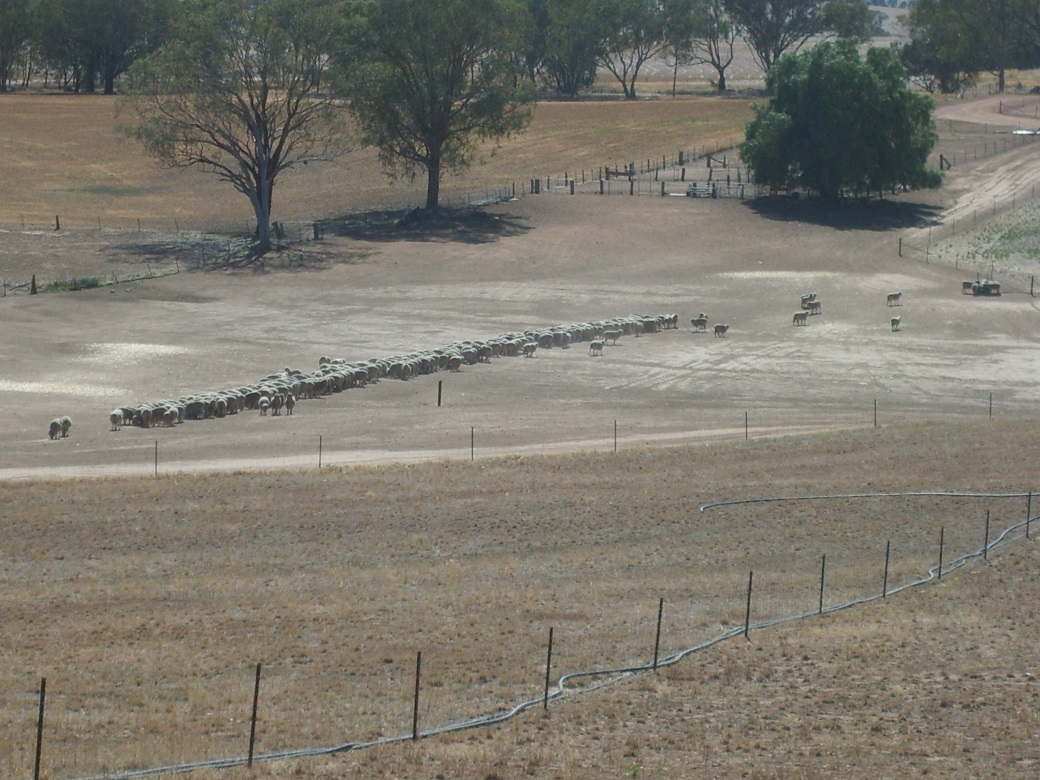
[924,537]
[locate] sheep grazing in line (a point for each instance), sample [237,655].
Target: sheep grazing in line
[116,418]
[54,429]
[800,318]
[66,425]
[596,347]
[720,330]
[815,306]
[896,323]
[529,349]
[290,403]
[700,322]
[894,299]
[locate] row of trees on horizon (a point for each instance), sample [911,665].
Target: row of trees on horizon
[87,45]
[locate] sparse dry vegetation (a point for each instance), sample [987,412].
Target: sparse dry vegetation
[147,601]
[147,613]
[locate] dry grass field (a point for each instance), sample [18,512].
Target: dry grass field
[147,599]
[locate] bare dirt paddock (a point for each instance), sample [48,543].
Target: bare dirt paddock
[146,602]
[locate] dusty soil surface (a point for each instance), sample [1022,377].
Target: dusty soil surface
[538,261]
[146,601]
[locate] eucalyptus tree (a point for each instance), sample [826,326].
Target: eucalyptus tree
[244,90]
[434,80]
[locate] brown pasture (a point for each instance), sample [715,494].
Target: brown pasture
[146,599]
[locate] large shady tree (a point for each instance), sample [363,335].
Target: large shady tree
[436,78]
[242,90]
[839,124]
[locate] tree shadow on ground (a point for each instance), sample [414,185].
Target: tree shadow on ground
[465,226]
[880,215]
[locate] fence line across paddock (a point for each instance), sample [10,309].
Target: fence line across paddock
[663,626]
[928,244]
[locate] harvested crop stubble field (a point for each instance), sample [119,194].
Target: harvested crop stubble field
[467,531]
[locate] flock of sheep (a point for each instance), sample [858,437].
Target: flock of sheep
[812,305]
[281,391]
[277,392]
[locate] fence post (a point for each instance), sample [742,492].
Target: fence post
[548,666]
[615,436]
[745,425]
[884,583]
[252,721]
[1029,511]
[985,545]
[156,457]
[415,701]
[991,405]
[823,574]
[747,612]
[472,443]
[657,641]
[39,728]
[319,450]
[942,543]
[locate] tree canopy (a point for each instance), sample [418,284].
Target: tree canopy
[952,41]
[773,28]
[434,79]
[838,124]
[242,90]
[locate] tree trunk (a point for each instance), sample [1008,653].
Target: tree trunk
[722,79]
[675,75]
[433,182]
[263,229]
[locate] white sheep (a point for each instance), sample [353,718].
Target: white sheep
[54,429]
[596,347]
[66,424]
[116,418]
[529,348]
[815,306]
[896,323]
[612,335]
[264,405]
[700,322]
